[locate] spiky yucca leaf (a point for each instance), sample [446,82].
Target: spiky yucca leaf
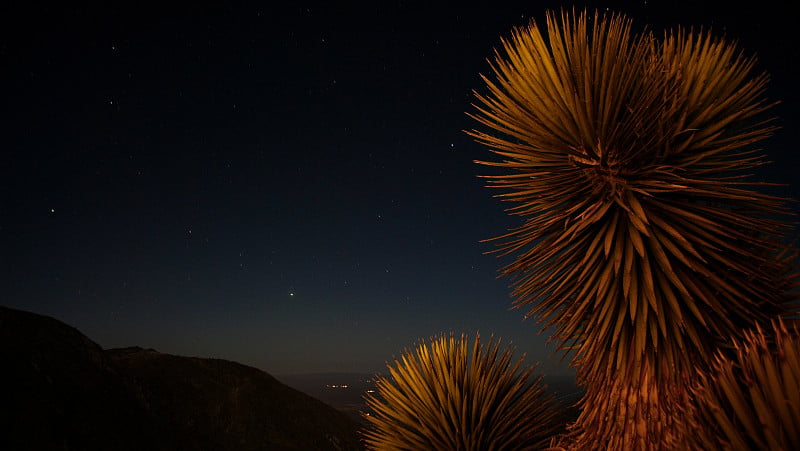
[446,396]
[751,400]
[644,244]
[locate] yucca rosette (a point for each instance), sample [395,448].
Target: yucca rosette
[645,243]
[751,397]
[450,395]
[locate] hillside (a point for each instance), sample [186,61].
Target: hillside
[63,391]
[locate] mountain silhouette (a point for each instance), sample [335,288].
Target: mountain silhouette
[63,391]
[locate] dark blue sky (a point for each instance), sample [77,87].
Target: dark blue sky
[288,187]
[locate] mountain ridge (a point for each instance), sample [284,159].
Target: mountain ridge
[64,391]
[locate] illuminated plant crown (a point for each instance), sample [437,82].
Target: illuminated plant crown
[751,400]
[447,395]
[643,241]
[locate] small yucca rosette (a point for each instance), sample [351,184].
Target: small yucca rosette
[448,394]
[751,397]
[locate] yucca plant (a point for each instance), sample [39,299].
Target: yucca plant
[446,396]
[644,243]
[751,400]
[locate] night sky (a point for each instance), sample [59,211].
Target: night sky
[289,187]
